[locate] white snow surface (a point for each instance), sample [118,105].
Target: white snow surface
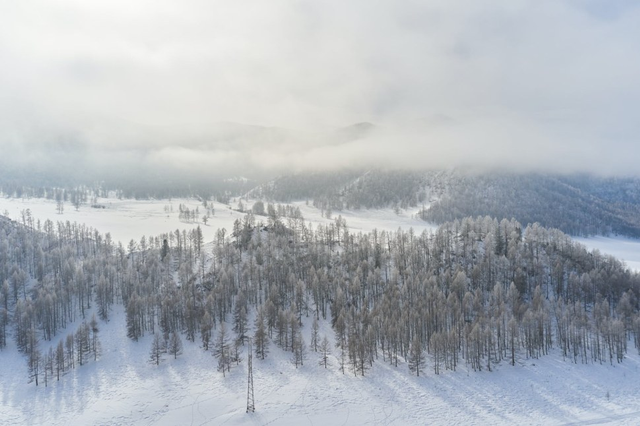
[366,220]
[123,388]
[129,219]
[125,219]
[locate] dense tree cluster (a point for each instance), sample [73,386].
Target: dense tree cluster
[349,190]
[476,292]
[305,186]
[375,189]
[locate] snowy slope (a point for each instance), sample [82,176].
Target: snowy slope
[122,387]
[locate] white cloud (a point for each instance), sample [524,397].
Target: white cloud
[539,83]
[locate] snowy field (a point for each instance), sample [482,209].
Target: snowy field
[124,219]
[123,388]
[368,220]
[128,220]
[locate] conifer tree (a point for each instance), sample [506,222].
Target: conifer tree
[60,364]
[95,342]
[416,356]
[299,349]
[222,350]
[70,350]
[174,345]
[325,350]
[157,349]
[34,356]
[206,325]
[260,339]
[314,335]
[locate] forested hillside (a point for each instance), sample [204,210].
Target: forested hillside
[476,292]
[579,205]
[350,190]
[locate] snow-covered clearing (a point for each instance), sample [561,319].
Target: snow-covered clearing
[367,220]
[623,248]
[122,387]
[128,219]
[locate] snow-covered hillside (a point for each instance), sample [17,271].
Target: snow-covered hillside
[124,388]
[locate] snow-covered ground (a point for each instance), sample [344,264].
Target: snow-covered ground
[123,388]
[128,220]
[623,248]
[367,220]
[124,219]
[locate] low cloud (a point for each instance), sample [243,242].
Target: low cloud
[524,85]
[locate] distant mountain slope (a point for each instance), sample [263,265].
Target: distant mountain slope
[577,204]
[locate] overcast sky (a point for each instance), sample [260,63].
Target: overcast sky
[523,84]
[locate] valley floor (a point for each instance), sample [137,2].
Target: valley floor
[129,219]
